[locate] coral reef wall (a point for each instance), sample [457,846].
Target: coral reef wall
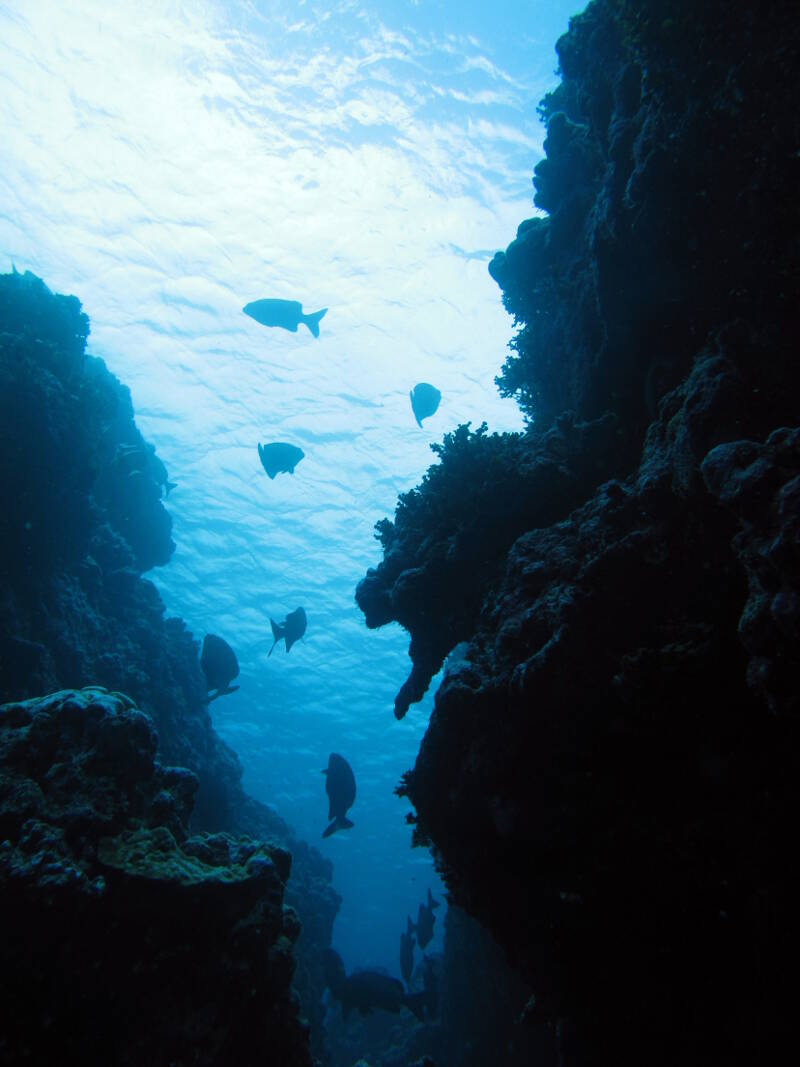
[83,518]
[125,940]
[610,774]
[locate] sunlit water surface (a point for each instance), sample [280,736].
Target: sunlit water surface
[169,162]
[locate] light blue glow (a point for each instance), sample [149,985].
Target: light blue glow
[169,163]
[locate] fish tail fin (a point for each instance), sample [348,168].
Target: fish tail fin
[277,633]
[341,822]
[223,692]
[312,320]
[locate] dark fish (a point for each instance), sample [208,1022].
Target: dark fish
[367,990]
[220,666]
[407,943]
[278,457]
[287,314]
[424,401]
[290,630]
[425,920]
[363,990]
[340,786]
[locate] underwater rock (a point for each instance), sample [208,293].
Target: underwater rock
[610,772]
[108,903]
[760,484]
[450,536]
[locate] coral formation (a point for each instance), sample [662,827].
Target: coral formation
[124,939]
[610,772]
[83,518]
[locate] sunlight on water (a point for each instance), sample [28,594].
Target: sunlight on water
[170,163]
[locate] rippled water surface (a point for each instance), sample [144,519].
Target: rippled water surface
[169,162]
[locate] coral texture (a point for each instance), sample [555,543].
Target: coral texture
[610,772]
[124,940]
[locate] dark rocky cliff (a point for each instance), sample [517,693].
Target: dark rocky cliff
[610,774]
[83,517]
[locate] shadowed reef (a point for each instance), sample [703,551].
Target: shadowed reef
[125,940]
[609,777]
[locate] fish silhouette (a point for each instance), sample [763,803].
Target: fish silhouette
[287,314]
[425,921]
[424,401]
[219,665]
[364,990]
[340,786]
[278,457]
[290,630]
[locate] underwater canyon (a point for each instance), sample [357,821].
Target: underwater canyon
[609,779]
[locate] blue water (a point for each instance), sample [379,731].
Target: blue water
[168,163]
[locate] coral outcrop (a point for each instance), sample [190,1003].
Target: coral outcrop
[441,558]
[609,777]
[124,939]
[83,518]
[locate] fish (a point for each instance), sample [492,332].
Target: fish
[287,314]
[277,457]
[220,666]
[341,789]
[407,943]
[425,921]
[290,630]
[364,990]
[425,400]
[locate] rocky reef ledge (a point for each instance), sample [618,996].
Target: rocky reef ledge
[611,774]
[123,939]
